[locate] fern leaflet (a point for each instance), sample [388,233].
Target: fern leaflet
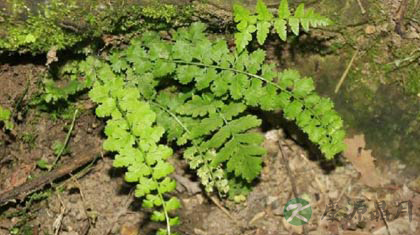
[263,20]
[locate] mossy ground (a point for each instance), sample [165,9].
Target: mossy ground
[62,24]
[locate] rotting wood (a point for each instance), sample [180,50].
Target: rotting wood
[82,158]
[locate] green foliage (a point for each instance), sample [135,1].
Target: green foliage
[43,165]
[59,147]
[39,32]
[5,117]
[133,134]
[263,20]
[194,92]
[62,24]
[29,138]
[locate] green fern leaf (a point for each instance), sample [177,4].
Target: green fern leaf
[200,105]
[5,117]
[146,186]
[303,87]
[162,169]
[281,28]
[294,25]
[245,166]
[221,85]
[186,73]
[263,13]
[173,204]
[293,110]
[206,126]
[283,11]
[263,28]
[204,80]
[241,13]
[243,124]
[237,84]
[231,110]
[243,38]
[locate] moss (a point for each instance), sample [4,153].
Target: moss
[166,11]
[32,37]
[64,23]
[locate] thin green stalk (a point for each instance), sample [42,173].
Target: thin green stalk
[188,131]
[66,141]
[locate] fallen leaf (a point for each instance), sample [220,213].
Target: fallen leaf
[362,160]
[20,176]
[52,56]
[129,229]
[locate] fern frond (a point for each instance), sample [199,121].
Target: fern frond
[132,133]
[195,92]
[237,76]
[262,22]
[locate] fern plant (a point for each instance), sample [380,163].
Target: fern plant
[263,20]
[194,93]
[132,132]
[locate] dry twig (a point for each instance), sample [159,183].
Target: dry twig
[222,208]
[82,158]
[361,7]
[343,77]
[58,221]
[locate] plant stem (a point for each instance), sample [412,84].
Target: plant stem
[168,225]
[254,76]
[198,150]
[66,141]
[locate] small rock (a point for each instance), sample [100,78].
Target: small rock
[281,133]
[199,232]
[412,35]
[333,194]
[94,125]
[370,29]
[271,146]
[272,135]
[271,199]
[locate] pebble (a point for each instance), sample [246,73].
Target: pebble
[370,29]
[271,200]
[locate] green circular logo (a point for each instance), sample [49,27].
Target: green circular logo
[297,211]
